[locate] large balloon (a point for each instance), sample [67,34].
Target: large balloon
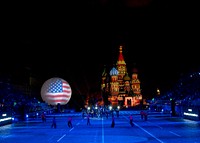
[56,91]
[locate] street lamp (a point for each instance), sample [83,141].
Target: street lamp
[158,91]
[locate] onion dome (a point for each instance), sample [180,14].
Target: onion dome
[114,72]
[126,77]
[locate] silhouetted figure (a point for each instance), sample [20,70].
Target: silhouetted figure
[53,125]
[113,122]
[70,122]
[131,120]
[142,114]
[43,117]
[88,119]
[145,116]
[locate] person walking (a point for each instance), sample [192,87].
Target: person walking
[70,122]
[131,120]
[113,122]
[53,125]
[142,114]
[43,117]
[88,119]
[145,115]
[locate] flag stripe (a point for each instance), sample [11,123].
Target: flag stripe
[55,96]
[58,98]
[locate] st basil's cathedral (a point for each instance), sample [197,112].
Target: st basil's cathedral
[118,88]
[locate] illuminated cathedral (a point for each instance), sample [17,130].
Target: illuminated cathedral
[118,88]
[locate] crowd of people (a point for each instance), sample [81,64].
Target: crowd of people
[70,125]
[18,104]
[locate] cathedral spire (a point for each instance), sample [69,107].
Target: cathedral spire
[121,61]
[121,57]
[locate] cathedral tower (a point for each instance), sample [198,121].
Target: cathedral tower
[121,89]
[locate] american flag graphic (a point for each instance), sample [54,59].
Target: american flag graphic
[56,90]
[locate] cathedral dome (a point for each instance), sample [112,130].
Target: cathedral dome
[114,71]
[126,77]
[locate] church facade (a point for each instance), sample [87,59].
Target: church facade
[118,88]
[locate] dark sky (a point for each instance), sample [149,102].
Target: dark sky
[76,40]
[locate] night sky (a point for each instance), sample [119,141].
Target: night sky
[74,41]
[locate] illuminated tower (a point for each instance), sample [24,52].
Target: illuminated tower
[135,82]
[121,67]
[127,86]
[135,85]
[114,86]
[120,88]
